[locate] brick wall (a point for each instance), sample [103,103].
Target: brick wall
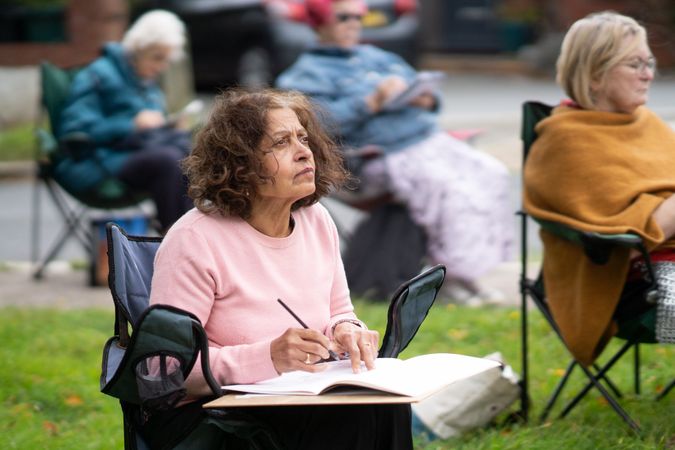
[89,23]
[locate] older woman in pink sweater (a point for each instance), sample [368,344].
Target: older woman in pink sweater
[257,171]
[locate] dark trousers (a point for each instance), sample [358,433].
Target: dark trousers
[157,171]
[339,427]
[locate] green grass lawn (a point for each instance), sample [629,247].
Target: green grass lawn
[51,366]
[17,143]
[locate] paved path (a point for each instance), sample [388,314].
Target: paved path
[63,287]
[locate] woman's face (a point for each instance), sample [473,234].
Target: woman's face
[626,85]
[287,158]
[344,28]
[150,62]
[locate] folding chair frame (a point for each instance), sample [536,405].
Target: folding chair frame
[594,375]
[597,247]
[72,226]
[121,339]
[73,215]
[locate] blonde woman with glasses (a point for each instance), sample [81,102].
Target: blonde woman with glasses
[603,162]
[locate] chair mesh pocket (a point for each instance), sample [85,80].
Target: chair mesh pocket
[160,382]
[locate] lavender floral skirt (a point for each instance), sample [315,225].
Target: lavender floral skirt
[459,196]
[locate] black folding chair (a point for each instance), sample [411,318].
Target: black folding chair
[72,206]
[597,248]
[153,349]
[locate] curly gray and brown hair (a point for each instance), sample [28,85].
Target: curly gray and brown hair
[225,166]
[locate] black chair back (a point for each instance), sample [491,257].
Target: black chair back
[408,309]
[130,264]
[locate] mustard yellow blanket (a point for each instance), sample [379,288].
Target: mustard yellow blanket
[604,172]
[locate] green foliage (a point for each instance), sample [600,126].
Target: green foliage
[51,365]
[17,143]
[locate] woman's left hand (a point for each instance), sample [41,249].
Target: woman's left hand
[424,101]
[360,343]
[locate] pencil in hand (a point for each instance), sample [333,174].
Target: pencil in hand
[333,356]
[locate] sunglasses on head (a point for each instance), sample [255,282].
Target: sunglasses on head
[345,17]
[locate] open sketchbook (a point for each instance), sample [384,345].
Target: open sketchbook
[419,376]
[424,82]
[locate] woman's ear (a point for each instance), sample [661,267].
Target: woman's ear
[597,82]
[596,86]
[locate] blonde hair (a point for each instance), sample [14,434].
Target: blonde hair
[157,27]
[592,46]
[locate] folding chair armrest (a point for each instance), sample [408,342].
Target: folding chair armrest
[624,239]
[366,153]
[46,143]
[597,246]
[161,330]
[206,368]
[355,158]
[76,145]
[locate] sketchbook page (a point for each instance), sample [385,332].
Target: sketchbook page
[418,376]
[303,383]
[423,375]
[425,81]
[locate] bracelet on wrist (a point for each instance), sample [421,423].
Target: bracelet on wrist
[358,323]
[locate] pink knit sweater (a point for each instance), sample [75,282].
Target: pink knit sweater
[230,275]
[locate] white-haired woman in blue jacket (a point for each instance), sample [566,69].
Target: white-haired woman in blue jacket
[459,196]
[117,102]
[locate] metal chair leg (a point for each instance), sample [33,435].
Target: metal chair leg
[66,231]
[607,381]
[594,379]
[636,367]
[557,391]
[613,403]
[71,227]
[71,215]
[666,390]
[35,221]
[524,382]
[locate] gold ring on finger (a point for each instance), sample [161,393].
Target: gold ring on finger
[307,360]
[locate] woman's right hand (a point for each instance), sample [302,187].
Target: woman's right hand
[149,118]
[299,349]
[388,88]
[664,216]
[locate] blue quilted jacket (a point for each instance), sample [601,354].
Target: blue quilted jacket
[103,101]
[340,79]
